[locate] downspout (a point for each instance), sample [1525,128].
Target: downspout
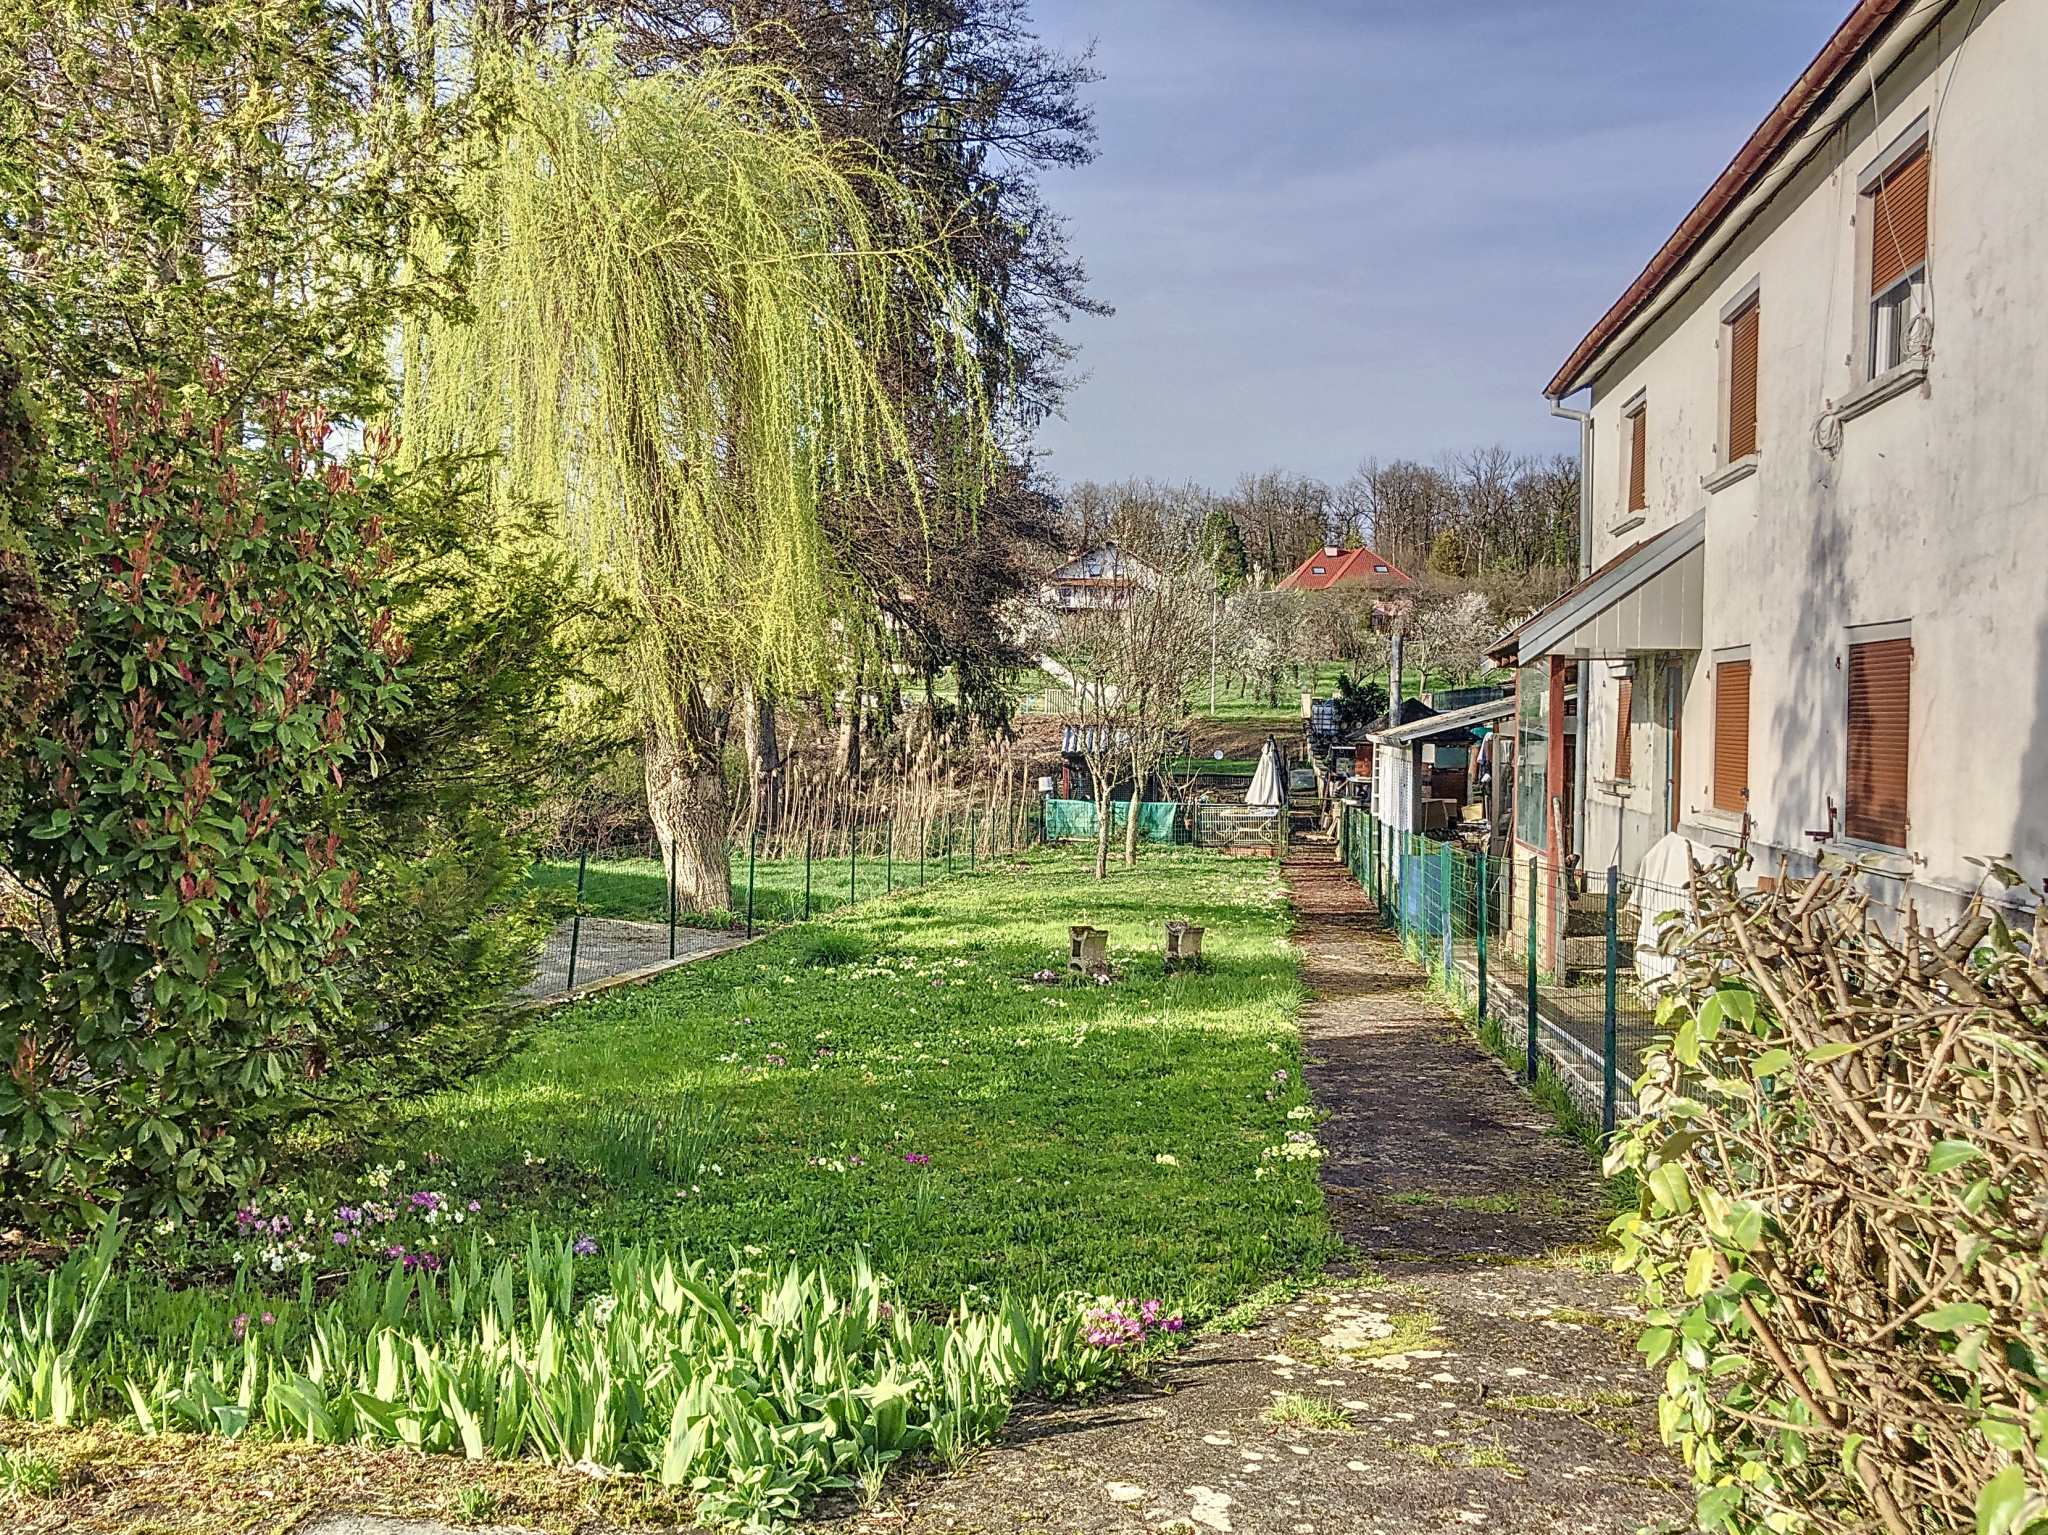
[1585,420]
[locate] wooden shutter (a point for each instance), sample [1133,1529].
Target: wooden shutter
[1880,703]
[1638,461]
[1624,757]
[1742,384]
[1731,736]
[1898,223]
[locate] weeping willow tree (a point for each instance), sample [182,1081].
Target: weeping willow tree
[686,316]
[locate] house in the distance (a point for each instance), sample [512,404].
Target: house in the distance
[1347,569]
[1102,580]
[1815,615]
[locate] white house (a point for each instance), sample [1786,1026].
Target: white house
[1100,580]
[1815,606]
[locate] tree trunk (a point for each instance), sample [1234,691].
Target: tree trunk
[1131,826]
[1102,804]
[686,801]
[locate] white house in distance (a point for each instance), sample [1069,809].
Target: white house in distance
[1098,581]
[1815,612]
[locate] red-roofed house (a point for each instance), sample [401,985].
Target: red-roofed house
[1331,566]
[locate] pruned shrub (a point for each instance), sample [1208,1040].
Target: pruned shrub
[1844,1162]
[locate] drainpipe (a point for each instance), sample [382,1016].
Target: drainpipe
[1585,420]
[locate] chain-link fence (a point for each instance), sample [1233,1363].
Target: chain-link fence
[1565,965]
[626,915]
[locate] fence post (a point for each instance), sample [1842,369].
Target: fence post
[673,847]
[852,857]
[972,860]
[576,926]
[1530,1066]
[924,837]
[1480,937]
[753,852]
[889,860]
[1607,1037]
[807,876]
[949,841]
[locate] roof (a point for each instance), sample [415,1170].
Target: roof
[1331,566]
[1106,563]
[1630,574]
[1458,722]
[1784,132]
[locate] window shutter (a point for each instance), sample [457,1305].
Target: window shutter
[1731,736]
[1880,704]
[1624,756]
[1742,384]
[1898,223]
[1638,461]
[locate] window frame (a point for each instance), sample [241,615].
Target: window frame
[1635,456]
[1882,317]
[1855,638]
[1747,301]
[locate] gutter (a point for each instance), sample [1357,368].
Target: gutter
[1781,144]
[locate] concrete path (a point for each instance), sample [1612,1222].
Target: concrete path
[607,948]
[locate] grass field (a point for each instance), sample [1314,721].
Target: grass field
[804,1075]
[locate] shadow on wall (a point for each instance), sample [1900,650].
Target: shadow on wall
[2029,839]
[1806,721]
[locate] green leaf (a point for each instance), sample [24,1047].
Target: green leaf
[1958,1314]
[1771,1063]
[1948,1154]
[1668,1184]
[2000,1502]
[1833,1052]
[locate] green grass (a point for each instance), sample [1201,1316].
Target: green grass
[1312,1412]
[767,1100]
[636,889]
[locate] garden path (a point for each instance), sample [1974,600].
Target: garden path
[608,948]
[1484,1367]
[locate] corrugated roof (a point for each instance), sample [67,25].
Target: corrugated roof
[1457,722]
[1331,566]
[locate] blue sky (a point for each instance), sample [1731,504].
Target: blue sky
[1334,228]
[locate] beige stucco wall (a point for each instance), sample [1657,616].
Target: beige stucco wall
[1932,510]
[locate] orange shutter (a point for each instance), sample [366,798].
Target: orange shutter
[1638,461]
[1624,759]
[1731,736]
[1898,223]
[1742,384]
[1880,703]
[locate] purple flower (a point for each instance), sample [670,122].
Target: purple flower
[774,1060]
[916,1158]
[584,1246]
[269,1319]
[341,1239]
[1279,1076]
[475,1205]
[240,1325]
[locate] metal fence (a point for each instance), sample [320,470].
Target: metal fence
[1564,964]
[635,919]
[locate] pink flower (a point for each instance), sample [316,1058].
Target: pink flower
[916,1158]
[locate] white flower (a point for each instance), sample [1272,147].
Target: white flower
[1167,1159]
[1301,1111]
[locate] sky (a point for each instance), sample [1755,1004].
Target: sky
[1334,229]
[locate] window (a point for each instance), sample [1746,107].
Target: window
[1897,206]
[1317,570]
[1532,754]
[1379,570]
[1880,705]
[1624,754]
[1731,735]
[1638,459]
[1742,382]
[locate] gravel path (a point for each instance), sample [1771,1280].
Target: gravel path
[1483,1369]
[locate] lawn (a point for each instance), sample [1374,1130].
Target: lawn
[800,1084]
[898,1155]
